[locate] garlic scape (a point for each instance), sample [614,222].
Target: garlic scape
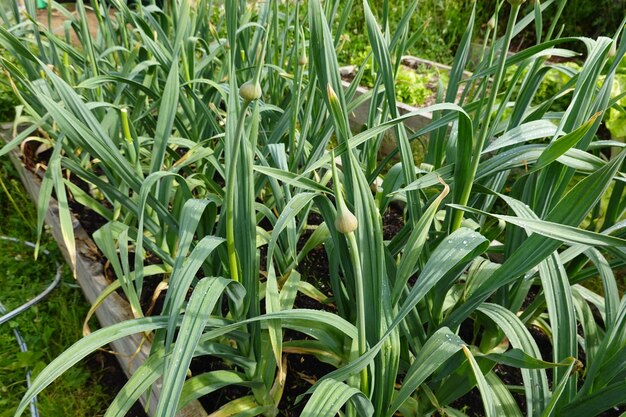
[346,221]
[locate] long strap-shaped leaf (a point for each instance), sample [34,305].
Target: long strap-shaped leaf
[414,246]
[182,278]
[611,292]
[437,349]
[592,405]
[569,234]
[609,358]
[139,382]
[452,253]
[571,210]
[144,195]
[167,114]
[106,238]
[84,347]
[242,407]
[185,267]
[65,218]
[558,295]
[505,403]
[331,395]
[592,331]
[483,387]
[272,297]
[523,133]
[558,392]
[203,300]
[535,380]
[561,145]
[209,382]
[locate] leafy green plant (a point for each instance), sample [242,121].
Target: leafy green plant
[413,86]
[214,147]
[554,84]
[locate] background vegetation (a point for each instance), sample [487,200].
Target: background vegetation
[441,23]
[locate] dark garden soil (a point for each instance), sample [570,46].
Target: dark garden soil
[303,371]
[104,363]
[470,404]
[393,221]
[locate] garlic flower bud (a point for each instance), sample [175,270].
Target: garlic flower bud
[250,91]
[613,50]
[332,96]
[345,222]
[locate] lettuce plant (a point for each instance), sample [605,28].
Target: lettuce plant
[616,121]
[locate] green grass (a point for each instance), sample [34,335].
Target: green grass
[49,327]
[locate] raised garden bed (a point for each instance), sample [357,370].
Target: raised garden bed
[427,70]
[130,351]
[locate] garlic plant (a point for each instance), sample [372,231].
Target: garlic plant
[211,130]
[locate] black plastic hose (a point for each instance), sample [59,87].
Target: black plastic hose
[15,312]
[34,412]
